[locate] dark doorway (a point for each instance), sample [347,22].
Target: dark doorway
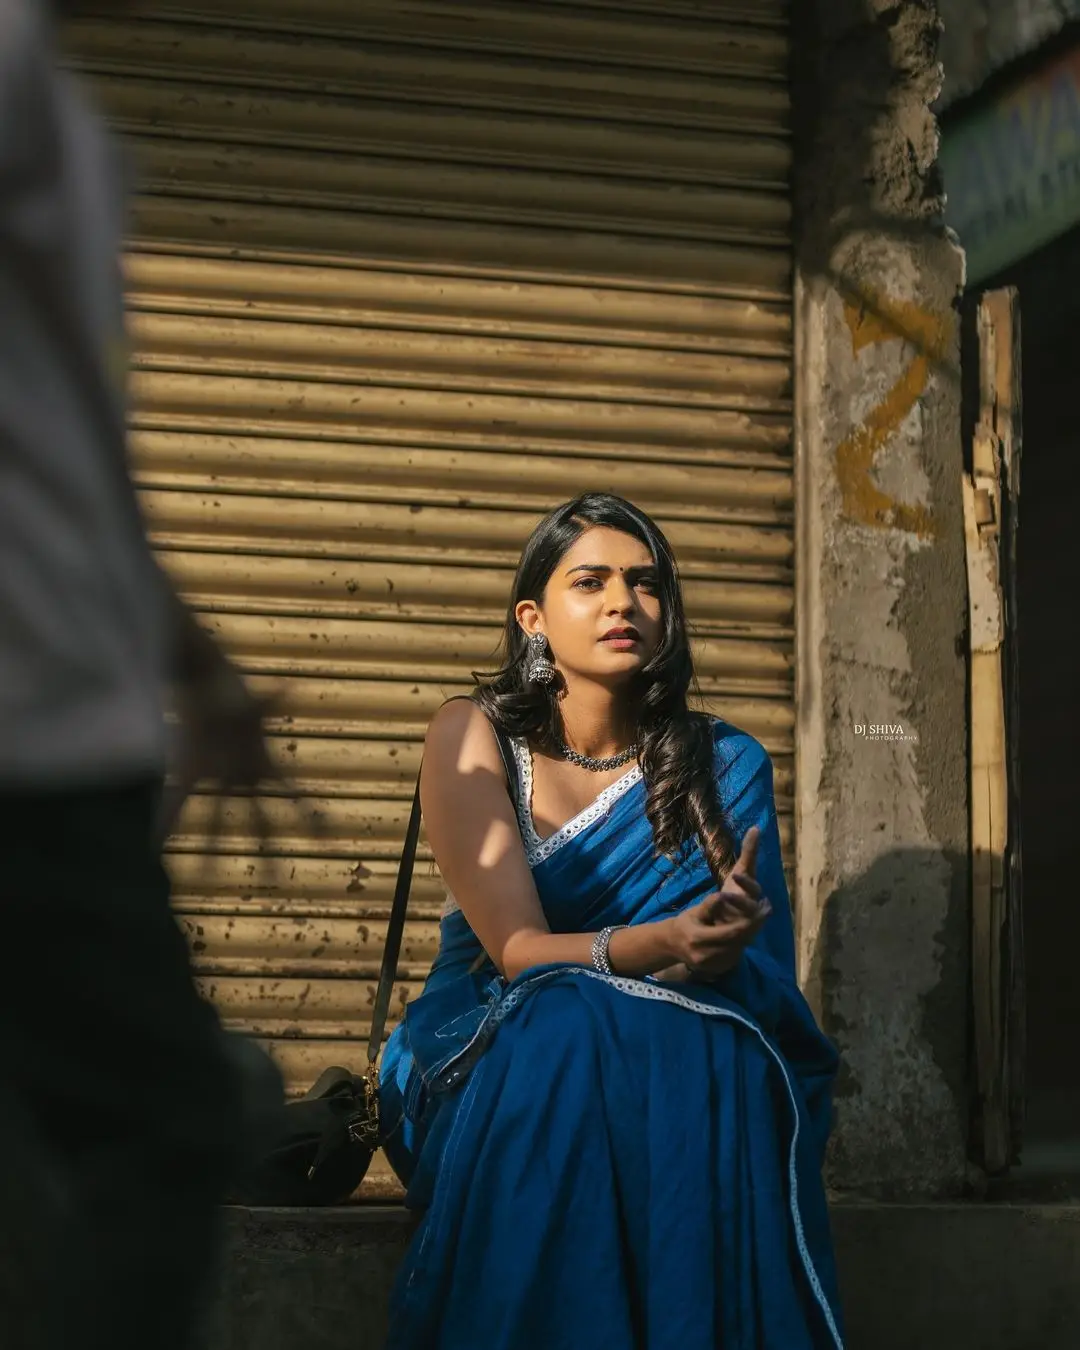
[1048,283]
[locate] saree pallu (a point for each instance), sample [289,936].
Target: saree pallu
[616,1162]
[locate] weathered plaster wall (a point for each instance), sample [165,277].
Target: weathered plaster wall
[882,598]
[981,36]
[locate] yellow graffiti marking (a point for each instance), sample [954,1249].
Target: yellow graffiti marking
[890,321]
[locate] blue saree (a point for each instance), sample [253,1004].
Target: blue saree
[610,1161]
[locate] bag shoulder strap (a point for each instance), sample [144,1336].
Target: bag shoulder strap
[396,927]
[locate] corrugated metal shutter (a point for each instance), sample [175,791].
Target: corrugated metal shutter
[403,276]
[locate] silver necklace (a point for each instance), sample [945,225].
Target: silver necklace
[598,765]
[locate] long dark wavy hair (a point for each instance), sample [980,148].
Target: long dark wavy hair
[675,744]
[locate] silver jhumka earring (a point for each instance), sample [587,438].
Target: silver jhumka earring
[541,666]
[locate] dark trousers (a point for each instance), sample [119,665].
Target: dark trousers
[121,1109]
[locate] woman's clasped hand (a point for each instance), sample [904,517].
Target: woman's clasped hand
[709,939]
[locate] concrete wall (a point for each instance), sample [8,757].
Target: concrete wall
[882,828]
[981,36]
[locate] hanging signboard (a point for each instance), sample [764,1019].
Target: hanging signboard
[1012,170]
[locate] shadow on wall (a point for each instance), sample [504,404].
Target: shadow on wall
[898,1012]
[865,74]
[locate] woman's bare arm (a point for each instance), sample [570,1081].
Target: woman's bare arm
[472,829]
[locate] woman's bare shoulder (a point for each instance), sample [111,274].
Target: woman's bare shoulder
[461,734]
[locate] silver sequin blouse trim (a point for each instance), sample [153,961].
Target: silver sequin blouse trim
[538,850]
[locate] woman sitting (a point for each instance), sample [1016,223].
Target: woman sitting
[610,1101]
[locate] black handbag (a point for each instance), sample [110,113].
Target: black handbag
[326,1139]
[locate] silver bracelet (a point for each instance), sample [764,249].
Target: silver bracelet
[600,945]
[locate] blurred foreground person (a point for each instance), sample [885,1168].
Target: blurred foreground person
[121,1107]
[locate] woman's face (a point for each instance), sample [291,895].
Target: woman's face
[600,610]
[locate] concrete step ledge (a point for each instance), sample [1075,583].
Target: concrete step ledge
[931,1276]
[960,1277]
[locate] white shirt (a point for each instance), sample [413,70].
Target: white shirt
[82,613]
